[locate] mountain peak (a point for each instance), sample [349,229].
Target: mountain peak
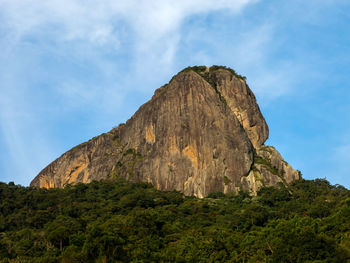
[202,132]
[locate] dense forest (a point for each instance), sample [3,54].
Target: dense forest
[308,221]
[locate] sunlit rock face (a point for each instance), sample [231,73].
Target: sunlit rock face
[201,133]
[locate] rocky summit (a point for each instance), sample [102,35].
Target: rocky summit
[202,132]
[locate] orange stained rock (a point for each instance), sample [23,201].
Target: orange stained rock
[150,136]
[191,152]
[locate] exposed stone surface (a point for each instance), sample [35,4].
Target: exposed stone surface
[201,133]
[242,102]
[268,169]
[86,162]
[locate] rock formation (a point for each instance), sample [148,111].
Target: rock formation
[201,133]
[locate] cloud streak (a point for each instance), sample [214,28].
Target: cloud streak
[70,69]
[97,21]
[64,61]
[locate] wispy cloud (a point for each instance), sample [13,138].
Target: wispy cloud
[63,60]
[252,53]
[99,21]
[70,69]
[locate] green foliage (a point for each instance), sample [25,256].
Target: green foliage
[227,180]
[125,166]
[201,69]
[266,163]
[116,221]
[207,74]
[233,72]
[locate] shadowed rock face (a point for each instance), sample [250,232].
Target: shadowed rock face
[201,133]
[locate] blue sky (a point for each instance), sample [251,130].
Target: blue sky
[70,70]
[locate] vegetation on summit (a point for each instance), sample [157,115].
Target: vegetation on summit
[205,72]
[116,221]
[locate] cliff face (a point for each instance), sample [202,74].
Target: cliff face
[201,133]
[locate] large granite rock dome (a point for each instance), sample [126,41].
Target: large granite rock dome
[201,133]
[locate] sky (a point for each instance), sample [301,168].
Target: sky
[71,70]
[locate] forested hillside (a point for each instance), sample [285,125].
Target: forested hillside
[124,222]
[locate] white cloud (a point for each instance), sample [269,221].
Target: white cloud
[250,50]
[89,19]
[39,39]
[20,130]
[150,29]
[73,57]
